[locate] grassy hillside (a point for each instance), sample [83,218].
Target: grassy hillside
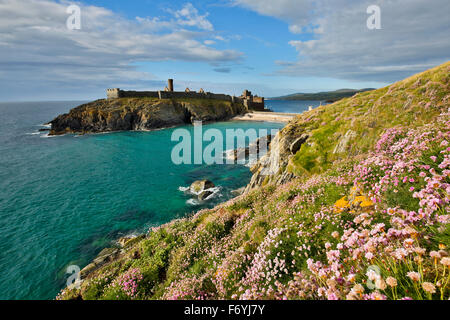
[366,218]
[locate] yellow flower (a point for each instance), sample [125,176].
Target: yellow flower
[341,204]
[363,201]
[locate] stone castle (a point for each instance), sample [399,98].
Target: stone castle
[247,99]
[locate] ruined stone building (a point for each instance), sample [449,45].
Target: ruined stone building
[249,101]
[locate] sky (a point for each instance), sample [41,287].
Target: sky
[270,47]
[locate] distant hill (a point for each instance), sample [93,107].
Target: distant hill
[326,95]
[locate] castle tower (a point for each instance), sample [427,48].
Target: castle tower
[170,85]
[113,93]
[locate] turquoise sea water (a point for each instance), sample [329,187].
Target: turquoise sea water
[291,106]
[63,199]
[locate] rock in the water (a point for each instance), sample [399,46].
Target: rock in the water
[204,195]
[201,185]
[201,188]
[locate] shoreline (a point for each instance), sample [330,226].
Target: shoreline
[266,117]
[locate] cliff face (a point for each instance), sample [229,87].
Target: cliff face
[140,114]
[271,168]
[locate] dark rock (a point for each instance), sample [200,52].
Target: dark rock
[296,145]
[200,186]
[204,195]
[261,144]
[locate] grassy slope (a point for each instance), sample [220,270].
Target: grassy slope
[411,102]
[316,237]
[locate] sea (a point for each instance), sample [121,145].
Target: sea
[287,106]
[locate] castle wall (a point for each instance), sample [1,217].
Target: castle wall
[138,94]
[117,93]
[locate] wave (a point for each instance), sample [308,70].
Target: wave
[47,135]
[215,192]
[193,202]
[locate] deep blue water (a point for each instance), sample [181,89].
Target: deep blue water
[291,106]
[63,199]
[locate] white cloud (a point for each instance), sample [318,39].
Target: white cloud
[37,49]
[415,35]
[189,16]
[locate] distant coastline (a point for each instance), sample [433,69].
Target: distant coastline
[328,96]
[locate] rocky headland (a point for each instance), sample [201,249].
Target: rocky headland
[108,115]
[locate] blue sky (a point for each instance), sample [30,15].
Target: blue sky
[270,47]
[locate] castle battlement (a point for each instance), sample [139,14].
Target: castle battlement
[247,99]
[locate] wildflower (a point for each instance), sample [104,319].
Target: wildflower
[441,246]
[372,275]
[408,242]
[341,204]
[331,283]
[335,234]
[435,255]
[391,281]
[351,277]
[445,261]
[369,255]
[358,289]
[419,251]
[429,287]
[380,284]
[377,296]
[414,276]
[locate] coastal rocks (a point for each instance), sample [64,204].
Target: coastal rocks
[129,240]
[105,256]
[296,145]
[272,167]
[202,188]
[254,150]
[344,141]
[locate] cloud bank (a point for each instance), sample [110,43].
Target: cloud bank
[37,50]
[415,35]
